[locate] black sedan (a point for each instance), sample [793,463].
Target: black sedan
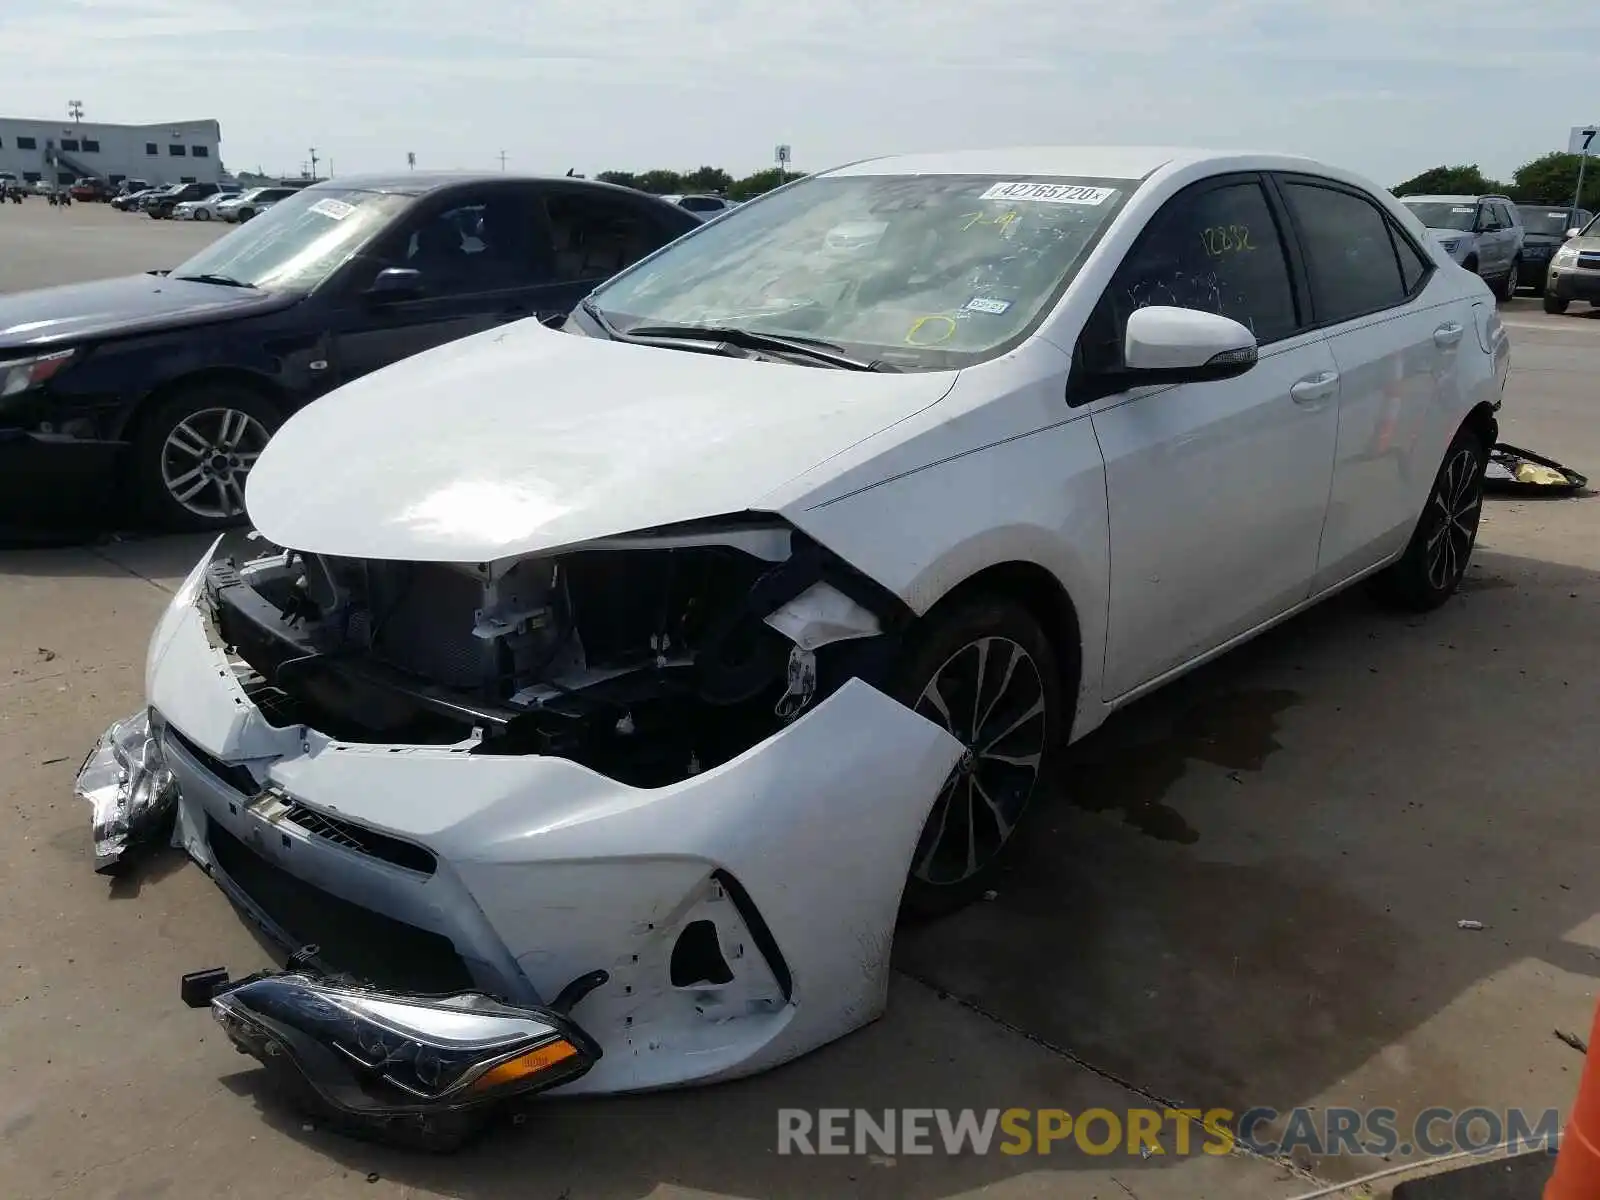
[155,393]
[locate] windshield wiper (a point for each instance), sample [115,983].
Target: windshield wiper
[224,280]
[813,348]
[748,339]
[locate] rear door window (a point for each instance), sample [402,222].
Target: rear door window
[1351,259]
[593,236]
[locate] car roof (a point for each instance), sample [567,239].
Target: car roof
[419,183]
[1092,162]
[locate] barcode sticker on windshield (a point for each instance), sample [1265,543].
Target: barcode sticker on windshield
[337,209]
[986,304]
[1468,209]
[1049,193]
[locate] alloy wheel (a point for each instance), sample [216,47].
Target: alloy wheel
[206,458]
[990,695]
[1456,505]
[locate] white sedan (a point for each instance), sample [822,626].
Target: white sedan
[202,210]
[634,699]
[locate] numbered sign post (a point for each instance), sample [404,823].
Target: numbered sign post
[782,155]
[1582,141]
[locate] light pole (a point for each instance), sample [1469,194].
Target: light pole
[502,160]
[75,110]
[313,162]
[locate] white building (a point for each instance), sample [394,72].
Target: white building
[63,151]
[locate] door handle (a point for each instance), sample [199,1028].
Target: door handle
[1447,335]
[1316,388]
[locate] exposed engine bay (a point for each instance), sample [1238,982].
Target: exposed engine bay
[647,657]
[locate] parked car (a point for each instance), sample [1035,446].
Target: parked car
[1482,233]
[89,189]
[170,383]
[252,203]
[204,209]
[131,201]
[1545,228]
[1575,270]
[755,605]
[704,207]
[160,207]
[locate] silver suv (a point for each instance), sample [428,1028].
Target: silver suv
[1482,233]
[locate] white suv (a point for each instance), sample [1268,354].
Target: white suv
[1482,233]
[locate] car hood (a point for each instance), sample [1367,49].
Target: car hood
[524,439]
[119,307]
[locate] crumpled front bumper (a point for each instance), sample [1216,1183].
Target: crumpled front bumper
[743,916]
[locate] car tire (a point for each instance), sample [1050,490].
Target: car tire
[1435,559]
[193,450]
[1470,263]
[245,214]
[1555,305]
[1508,289]
[988,654]
[201,214]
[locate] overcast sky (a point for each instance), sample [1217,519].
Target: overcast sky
[1387,87]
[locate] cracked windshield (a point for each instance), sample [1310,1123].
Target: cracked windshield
[920,272]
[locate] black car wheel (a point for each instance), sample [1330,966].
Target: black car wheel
[194,451]
[1555,305]
[987,673]
[1430,570]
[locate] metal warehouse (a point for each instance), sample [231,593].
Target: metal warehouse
[64,151]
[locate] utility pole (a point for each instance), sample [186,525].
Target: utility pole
[75,110]
[411,159]
[313,162]
[502,160]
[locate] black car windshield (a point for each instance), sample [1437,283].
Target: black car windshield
[298,242]
[1445,214]
[920,272]
[1556,221]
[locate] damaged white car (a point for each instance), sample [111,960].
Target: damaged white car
[599,697]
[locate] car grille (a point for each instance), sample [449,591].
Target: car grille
[1589,261]
[362,840]
[373,948]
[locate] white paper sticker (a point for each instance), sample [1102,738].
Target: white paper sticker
[1464,210]
[1560,216]
[984,304]
[337,209]
[1049,193]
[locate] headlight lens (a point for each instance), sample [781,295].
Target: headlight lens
[19,375]
[127,784]
[1565,257]
[399,1052]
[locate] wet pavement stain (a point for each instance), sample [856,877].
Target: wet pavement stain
[1236,730]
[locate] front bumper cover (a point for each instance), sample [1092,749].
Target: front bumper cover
[741,917]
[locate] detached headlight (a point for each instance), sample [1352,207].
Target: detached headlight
[1565,257]
[127,784]
[376,1054]
[18,375]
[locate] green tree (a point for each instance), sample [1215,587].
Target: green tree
[707,179]
[1553,178]
[660,182]
[620,178]
[1449,181]
[760,182]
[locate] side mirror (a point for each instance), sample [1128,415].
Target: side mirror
[395,283]
[1573,232]
[1164,345]
[1186,345]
